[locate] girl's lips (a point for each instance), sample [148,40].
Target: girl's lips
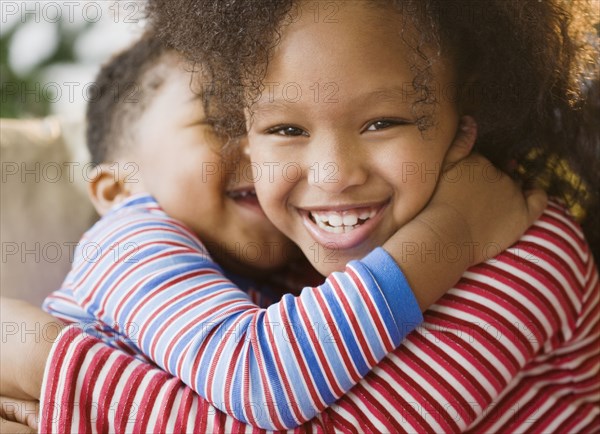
[346,240]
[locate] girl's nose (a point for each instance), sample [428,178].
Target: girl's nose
[337,165]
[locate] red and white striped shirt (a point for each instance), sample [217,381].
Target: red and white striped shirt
[513,347]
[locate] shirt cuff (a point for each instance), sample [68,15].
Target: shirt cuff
[395,288]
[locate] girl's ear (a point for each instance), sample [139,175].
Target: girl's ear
[107,188]
[463,142]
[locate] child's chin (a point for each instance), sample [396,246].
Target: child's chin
[327,260]
[327,263]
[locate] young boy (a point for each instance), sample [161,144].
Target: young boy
[154,290]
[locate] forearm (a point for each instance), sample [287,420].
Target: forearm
[433,251]
[28,334]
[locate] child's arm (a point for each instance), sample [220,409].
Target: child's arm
[476,213]
[180,311]
[175,305]
[28,333]
[203,329]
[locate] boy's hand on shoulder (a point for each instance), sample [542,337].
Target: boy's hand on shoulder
[476,212]
[491,206]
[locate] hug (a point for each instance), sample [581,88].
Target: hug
[383,310]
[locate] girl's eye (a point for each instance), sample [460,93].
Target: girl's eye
[287,130]
[382,124]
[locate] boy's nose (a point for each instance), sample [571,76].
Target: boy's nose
[336,166]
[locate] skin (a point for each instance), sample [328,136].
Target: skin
[178,160]
[365,143]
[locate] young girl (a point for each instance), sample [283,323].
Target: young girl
[522,357]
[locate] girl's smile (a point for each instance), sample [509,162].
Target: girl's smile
[342,227]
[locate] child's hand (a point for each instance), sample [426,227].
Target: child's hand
[27,337]
[17,416]
[475,213]
[490,205]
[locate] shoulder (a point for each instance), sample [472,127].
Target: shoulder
[551,266]
[137,223]
[558,240]
[544,280]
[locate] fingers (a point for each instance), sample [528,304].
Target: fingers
[19,411]
[537,200]
[7,427]
[463,141]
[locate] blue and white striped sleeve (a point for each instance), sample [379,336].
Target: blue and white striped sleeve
[273,368]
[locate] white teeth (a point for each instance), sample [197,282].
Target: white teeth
[333,229]
[341,222]
[350,219]
[335,220]
[244,193]
[321,218]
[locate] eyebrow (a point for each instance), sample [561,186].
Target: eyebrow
[270,106]
[391,94]
[395,94]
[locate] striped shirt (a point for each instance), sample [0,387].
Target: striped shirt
[144,283]
[513,347]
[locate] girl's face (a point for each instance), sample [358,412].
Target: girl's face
[340,164]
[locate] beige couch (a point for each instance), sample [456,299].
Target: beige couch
[44,208]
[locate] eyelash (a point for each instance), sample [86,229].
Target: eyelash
[390,123]
[280,129]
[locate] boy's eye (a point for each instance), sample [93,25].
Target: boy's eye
[382,124]
[287,130]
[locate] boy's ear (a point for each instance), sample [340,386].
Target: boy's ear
[463,142]
[106,188]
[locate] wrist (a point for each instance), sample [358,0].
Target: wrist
[432,252]
[449,229]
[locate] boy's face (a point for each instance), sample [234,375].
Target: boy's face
[179,163]
[352,166]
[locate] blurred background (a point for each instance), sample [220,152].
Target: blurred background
[50,52]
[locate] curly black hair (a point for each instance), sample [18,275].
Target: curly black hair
[535,96]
